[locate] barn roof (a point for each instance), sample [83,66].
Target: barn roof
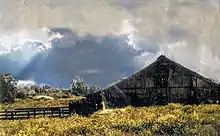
[164,58]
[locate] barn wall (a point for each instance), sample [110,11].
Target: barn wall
[162,83]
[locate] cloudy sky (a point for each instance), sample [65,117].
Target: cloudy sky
[103,41]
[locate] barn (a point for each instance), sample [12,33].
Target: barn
[162,82]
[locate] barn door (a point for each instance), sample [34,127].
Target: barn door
[162,97]
[134,99]
[161,82]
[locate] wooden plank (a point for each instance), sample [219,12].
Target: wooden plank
[34,112]
[3,115]
[12,115]
[60,112]
[45,108]
[29,114]
[6,114]
[25,117]
[52,113]
[2,111]
[17,111]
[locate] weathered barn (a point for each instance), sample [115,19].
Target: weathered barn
[164,81]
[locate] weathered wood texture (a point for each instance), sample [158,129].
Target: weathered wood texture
[162,82]
[24,113]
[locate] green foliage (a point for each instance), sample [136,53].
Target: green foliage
[21,95]
[7,88]
[79,88]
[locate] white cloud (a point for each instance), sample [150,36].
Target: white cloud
[27,83]
[186,31]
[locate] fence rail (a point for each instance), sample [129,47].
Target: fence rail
[24,113]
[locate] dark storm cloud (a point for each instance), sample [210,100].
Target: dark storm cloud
[98,60]
[185,28]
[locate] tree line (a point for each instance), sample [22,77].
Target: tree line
[9,90]
[79,88]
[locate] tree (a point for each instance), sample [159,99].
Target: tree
[8,88]
[77,86]
[21,95]
[36,89]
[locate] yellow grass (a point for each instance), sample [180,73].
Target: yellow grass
[173,119]
[30,103]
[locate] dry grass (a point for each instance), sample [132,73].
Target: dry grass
[173,119]
[30,103]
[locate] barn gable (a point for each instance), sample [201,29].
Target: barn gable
[162,67]
[163,81]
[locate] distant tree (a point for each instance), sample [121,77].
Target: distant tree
[33,87]
[36,89]
[92,89]
[21,95]
[77,86]
[8,88]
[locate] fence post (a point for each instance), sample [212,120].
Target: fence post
[12,115]
[62,112]
[15,114]
[44,112]
[59,112]
[6,113]
[51,112]
[28,114]
[34,112]
[70,107]
[69,111]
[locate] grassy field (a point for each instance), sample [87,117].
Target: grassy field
[30,103]
[173,119]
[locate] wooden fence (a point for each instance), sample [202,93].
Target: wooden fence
[25,113]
